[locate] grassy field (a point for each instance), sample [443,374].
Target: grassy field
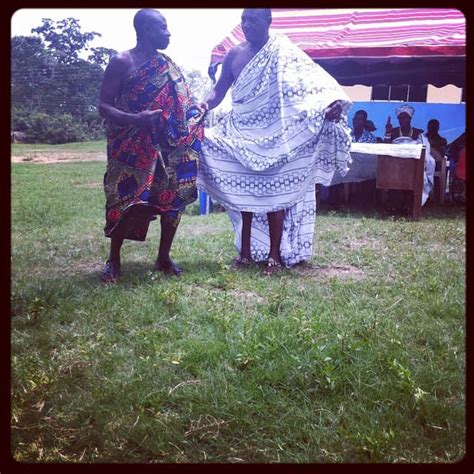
[358,357]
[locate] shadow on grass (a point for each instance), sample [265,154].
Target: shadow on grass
[136,273]
[381,212]
[448,211]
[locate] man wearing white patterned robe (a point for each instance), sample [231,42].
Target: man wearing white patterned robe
[287,130]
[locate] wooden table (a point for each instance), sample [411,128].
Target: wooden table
[398,167]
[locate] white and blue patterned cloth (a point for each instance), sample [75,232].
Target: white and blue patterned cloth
[430,163]
[274,145]
[365,137]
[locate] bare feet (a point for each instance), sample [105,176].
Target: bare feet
[242,262]
[111,272]
[271,267]
[168,267]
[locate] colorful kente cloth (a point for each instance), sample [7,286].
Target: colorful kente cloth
[270,150]
[154,167]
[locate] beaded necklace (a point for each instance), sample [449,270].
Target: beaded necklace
[409,135]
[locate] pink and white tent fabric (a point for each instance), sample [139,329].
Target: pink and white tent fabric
[363,46]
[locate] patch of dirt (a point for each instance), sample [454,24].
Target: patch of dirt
[365,243]
[90,185]
[204,427]
[90,267]
[80,268]
[330,271]
[247,296]
[58,157]
[67,268]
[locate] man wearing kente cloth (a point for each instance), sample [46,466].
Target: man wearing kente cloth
[287,130]
[153,139]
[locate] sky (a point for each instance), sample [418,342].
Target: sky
[194,32]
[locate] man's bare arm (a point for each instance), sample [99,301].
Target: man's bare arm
[216,96]
[111,87]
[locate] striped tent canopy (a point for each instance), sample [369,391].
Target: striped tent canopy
[374,46]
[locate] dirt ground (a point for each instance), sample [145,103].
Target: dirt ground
[332,271]
[57,157]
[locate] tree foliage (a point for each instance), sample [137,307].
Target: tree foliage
[55,91]
[64,38]
[101,56]
[198,84]
[53,85]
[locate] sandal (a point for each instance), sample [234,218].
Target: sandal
[242,262]
[271,266]
[169,268]
[111,272]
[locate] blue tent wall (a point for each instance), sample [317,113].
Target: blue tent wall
[452,117]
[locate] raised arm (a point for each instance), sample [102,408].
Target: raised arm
[112,83]
[217,94]
[388,130]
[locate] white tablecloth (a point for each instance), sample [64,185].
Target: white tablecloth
[364,159]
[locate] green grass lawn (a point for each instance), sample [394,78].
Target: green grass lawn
[359,357]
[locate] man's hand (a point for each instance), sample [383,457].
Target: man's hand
[211,71]
[204,106]
[148,118]
[333,111]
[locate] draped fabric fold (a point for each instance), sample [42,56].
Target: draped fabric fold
[275,144]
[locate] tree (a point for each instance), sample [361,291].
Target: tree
[31,67]
[198,84]
[101,56]
[50,76]
[64,38]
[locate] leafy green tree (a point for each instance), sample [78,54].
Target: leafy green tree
[198,84]
[50,76]
[101,56]
[54,128]
[31,69]
[64,38]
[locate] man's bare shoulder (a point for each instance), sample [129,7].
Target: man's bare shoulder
[236,55]
[237,50]
[122,61]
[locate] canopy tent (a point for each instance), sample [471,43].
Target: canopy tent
[376,46]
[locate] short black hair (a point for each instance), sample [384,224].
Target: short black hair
[142,17]
[265,13]
[361,112]
[434,121]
